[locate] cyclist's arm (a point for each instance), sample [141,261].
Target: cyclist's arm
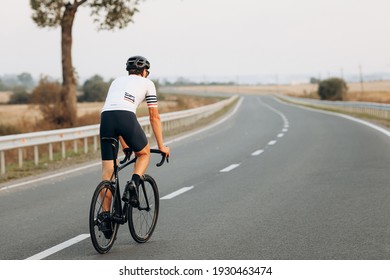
[154,117]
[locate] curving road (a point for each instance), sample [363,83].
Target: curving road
[273,181]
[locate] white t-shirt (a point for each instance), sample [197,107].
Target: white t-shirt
[127,92]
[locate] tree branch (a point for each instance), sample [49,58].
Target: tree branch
[79,3]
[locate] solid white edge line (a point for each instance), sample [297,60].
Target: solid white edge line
[176,193]
[50,176]
[230,167]
[59,247]
[378,128]
[98,163]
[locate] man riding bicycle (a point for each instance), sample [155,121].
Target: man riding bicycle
[118,120]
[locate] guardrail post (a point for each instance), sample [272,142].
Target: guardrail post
[85,145]
[36,155]
[20,157]
[75,147]
[50,151]
[63,150]
[2,162]
[95,143]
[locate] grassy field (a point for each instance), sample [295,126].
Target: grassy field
[378,91]
[27,118]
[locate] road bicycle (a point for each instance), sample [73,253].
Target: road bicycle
[142,219]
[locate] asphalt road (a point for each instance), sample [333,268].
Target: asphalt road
[274,181]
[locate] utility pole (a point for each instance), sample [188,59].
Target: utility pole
[361,79]
[205,84]
[238,84]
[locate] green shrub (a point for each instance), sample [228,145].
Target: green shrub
[332,89]
[47,94]
[19,96]
[6,129]
[95,89]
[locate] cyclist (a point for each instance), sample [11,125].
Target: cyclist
[118,120]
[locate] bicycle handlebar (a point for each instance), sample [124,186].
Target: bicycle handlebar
[153,151]
[164,156]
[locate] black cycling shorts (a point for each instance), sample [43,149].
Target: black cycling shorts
[120,123]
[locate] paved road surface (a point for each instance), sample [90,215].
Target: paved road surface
[274,181]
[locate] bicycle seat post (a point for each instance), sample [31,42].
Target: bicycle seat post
[113,143]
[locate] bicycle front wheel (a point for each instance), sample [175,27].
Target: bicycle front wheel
[101,227]
[143,219]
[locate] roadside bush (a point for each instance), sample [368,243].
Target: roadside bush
[19,96]
[95,89]
[6,129]
[48,96]
[332,89]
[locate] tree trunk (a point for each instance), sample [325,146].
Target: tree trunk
[68,111]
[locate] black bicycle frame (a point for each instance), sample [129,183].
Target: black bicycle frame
[121,213]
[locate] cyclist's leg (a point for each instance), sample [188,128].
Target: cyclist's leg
[143,159]
[133,135]
[107,129]
[107,170]
[130,194]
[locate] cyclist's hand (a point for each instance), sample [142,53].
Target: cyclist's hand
[165,150]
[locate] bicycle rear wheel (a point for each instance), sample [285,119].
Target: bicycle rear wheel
[102,229]
[143,219]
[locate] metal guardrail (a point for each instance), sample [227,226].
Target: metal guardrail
[169,121]
[373,109]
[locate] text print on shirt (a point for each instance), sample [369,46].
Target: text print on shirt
[129,97]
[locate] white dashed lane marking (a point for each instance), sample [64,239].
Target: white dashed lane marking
[178,192]
[230,167]
[59,247]
[258,152]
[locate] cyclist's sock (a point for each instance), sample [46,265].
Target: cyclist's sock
[136,178]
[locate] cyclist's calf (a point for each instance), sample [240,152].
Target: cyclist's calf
[107,169]
[143,158]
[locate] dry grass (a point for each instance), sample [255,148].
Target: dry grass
[26,118]
[4,96]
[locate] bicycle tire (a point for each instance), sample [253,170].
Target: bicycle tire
[99,240]
[142,220]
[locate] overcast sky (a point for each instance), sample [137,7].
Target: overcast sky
[207,38]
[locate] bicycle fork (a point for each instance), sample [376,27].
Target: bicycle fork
[120,215]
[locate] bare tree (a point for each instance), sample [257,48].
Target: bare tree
[53,13]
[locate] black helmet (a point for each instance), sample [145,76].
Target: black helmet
[137,62]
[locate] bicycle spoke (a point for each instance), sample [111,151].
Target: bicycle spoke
[142,220]
[102,229]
